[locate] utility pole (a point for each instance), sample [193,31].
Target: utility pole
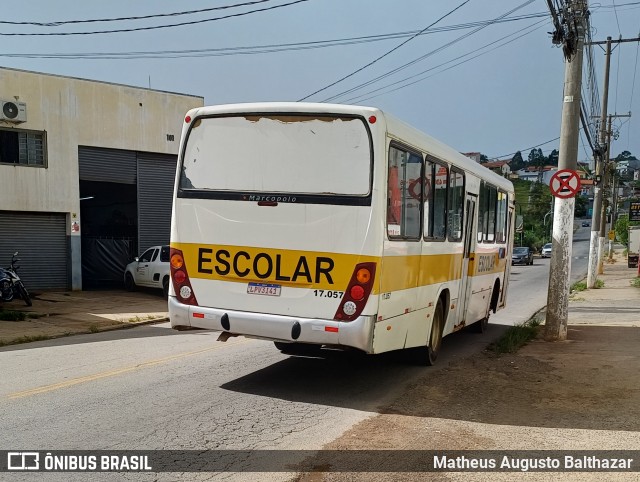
[558,294]
[596,216]
[596,245]
[603,213]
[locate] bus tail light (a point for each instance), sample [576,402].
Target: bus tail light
[180,278]
[357,292]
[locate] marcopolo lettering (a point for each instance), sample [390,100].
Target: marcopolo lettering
[278,199]
[264,266]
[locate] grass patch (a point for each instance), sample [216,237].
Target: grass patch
[582,285]
[94,328]
[9,315]
[635,282]
[515,337]
[579,286]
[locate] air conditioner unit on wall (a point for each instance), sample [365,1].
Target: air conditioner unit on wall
[12,111]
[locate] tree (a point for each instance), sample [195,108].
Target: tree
[553,158]
[483,158]
[580,209]
[517,162]
[624,156]
[536,157]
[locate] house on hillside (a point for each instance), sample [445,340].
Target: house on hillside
[475,156]
[537,173]
[501,167]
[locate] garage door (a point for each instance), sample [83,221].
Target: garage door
[41,239]
[156,174]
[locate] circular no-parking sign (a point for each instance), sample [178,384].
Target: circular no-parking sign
[565,184]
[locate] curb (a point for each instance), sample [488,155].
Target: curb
[120,326]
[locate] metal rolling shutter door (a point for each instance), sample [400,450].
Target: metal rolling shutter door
[156,174]
[41,239]
[107,165]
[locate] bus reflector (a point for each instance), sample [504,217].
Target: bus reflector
[357,292]
[187,119]
[372,119]
[198,315]
[332,329]
[180,279]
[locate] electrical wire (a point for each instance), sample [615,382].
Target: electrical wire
[386,53]
[367,95]
[138,29]
[118,19]
[525,149]
[633,84]
[422,57]
[258,49]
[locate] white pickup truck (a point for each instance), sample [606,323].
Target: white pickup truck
[150,269]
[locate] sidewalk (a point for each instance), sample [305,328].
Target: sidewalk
[56,314]
[579,394]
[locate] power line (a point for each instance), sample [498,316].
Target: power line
[633,84]
[422,57]
[259,49]
[118,19]
[385,54]
[366,96]
[525,149]
[138,29]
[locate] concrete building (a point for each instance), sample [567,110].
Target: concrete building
[86,175]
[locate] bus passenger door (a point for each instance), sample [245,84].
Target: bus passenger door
[465,281]
[509,249]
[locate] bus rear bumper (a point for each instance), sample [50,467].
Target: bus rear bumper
[356,334]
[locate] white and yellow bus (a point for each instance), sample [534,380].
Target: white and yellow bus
[332,225]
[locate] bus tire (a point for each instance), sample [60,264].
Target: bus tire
[435,338]
[482,325]
[296,348]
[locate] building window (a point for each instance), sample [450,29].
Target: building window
[27,148]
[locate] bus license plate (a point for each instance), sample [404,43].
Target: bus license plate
[263,289]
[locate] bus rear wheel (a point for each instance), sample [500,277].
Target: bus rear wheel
[435,339]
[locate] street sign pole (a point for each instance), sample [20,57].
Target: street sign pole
[558,295]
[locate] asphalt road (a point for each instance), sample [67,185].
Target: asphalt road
[154,388]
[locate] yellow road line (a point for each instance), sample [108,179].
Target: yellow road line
[112,373]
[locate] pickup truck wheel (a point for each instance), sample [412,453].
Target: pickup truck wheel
[129,284]
[165,287]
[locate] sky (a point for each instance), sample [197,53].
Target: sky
[477,85]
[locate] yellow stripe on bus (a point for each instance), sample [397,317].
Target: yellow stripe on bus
[244,264]
[329,271]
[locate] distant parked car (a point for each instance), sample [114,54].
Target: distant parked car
[586,224]
[522,255]
[546,251]
[151,270]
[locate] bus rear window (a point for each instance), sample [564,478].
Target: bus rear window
[326,155]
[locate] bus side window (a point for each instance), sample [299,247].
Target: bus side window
[404,202]
[440,202]
[482,212]
[501,226]
[427,190]
[491,214]
[455,206]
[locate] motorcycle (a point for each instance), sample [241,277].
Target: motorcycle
[11,285]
